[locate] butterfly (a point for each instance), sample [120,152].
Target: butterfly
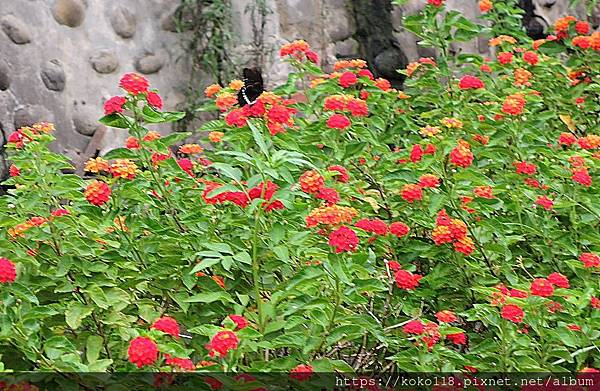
[253,87]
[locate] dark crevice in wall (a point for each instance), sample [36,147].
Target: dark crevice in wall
[374,33]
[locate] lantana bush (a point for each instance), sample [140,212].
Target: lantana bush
[450,226]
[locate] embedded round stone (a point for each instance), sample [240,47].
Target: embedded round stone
[123,22]
[104,61]
[69,12]
[15,29]
[53,75]
[150,63]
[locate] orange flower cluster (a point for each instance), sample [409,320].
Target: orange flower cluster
[502,39]
[123,168]
[345,64]
[522,77]
[563,24]
[190,149]
[413,66]
[215,136]
[311,182]
[485,5]
[212,90]
[331,215]
[513,104]
[96,165]
[225,101]
[300,50]
[20,229]
[452,123]
[28,134]
[449,230]
[340,102]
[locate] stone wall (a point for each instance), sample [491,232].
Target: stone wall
[61,59]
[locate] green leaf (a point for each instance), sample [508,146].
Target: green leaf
[92,348]
[76,313]
[120,153]
[210,297]
[153,116]
[229,171]
[259,138]
[175,137]
[116,121]
[23,292]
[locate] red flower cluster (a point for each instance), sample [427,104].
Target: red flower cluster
[544,202]
[589,260]
[407,280]
[270,107]
[414,327]
[435,3]
[461,155]
[142,351]
[541,287]
[301,372]
[446,316]
[8,271]
[469,82]
[338,121]
[114,105]
[184,364]
[525,168]
[347,79]
[167,325]
[134,84]
[343,239]
[558,279]
[411,193]
[97,193]
[449,230]
[505,58]
[242,198]
[342,173]
[222,342]
[513,312]
[376,226]
[239,321]
[399,229]
[300,50]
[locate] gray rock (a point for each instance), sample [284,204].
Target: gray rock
[340,25]
[30,114]
[84,124]
[123,22]
[4,77]
[150,63]
[347,48]
[104,61]
[167,23]
[388,61]
[16,29]
[53,75]
[69,12]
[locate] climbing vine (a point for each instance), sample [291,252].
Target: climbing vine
[206,36]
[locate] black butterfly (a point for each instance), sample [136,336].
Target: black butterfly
[253,87]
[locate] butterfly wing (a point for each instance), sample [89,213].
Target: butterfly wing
[253,87]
